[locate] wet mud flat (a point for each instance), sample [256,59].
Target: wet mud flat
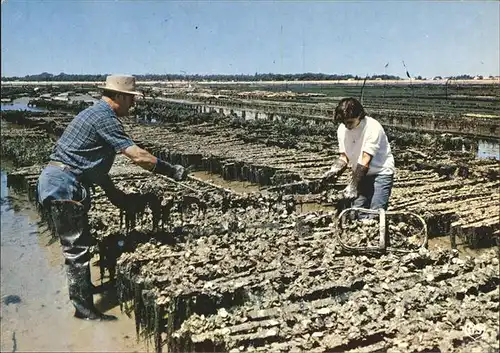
[36,314]
[227,277]
[207,268]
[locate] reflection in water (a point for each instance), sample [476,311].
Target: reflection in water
[235,186]
[36,314]
[488,149]
[20,104]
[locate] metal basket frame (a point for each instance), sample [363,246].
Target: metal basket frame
[382,247]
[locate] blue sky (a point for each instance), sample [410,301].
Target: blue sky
[226,37]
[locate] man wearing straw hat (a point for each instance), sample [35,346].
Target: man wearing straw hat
[82,157]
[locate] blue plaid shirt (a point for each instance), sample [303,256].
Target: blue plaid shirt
[90,142]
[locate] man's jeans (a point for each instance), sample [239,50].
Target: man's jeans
[56,184]
[374,191]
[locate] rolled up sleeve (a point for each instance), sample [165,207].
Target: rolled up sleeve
[371,143]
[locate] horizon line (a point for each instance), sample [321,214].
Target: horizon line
[251,75]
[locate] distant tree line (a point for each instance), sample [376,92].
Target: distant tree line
[45,76]
[308,76]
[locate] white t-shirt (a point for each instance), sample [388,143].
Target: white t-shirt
[369,136]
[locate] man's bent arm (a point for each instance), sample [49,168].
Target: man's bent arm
[141,157]
[149,162]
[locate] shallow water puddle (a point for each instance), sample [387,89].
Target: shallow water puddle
[36,314]
[235,186]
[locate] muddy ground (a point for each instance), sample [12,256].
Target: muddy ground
[230,260]
[36,314]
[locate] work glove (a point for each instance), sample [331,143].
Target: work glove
[176,172]
[351,191]
[335,171]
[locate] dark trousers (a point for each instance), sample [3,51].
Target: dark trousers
[374,192]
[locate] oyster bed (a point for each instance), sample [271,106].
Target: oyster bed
[418,302]
[452,190]
[207,269]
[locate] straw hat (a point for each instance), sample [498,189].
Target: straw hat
[120,83]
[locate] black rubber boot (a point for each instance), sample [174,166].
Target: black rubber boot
[71,226]
[80,293]
[99,289]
